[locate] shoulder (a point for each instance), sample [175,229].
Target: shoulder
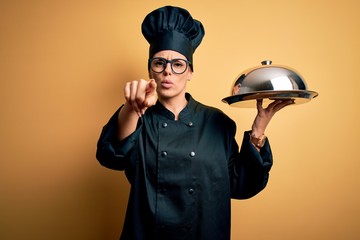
[213,113]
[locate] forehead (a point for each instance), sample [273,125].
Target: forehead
[169,54]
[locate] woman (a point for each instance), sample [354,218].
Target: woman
[180,156]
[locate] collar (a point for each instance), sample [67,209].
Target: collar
[185,115]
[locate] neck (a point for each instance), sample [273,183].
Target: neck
[175,105]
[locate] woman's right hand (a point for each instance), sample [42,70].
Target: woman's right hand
[140,94]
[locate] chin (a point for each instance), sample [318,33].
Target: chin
[165,95]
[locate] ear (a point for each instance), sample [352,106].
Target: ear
[189,75]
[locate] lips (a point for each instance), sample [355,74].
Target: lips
[166,84]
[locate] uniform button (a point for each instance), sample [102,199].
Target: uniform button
[192,154]
[164,154]
[190,124]
[164,125]
[191,190]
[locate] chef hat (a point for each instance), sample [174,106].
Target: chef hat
[172,28]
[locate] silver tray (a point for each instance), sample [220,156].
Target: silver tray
[248,100]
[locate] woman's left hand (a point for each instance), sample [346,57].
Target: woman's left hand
[264,115]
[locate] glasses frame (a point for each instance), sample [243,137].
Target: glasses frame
[188,63]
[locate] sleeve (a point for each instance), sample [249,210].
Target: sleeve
[111,152]
[250,168]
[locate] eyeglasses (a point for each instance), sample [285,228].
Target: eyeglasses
[178,66]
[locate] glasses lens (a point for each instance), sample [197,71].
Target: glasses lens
[158,65]
[179,65]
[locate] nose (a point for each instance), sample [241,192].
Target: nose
[168,69]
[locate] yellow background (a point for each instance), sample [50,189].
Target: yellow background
[63,65]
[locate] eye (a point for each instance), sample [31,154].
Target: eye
[178,63]
[159,62]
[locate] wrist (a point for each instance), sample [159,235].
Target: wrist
[258,128]
[127,114]
[257,140]
[255,132]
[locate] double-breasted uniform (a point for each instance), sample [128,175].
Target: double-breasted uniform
[183,173]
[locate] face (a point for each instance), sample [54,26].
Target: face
[169,84]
